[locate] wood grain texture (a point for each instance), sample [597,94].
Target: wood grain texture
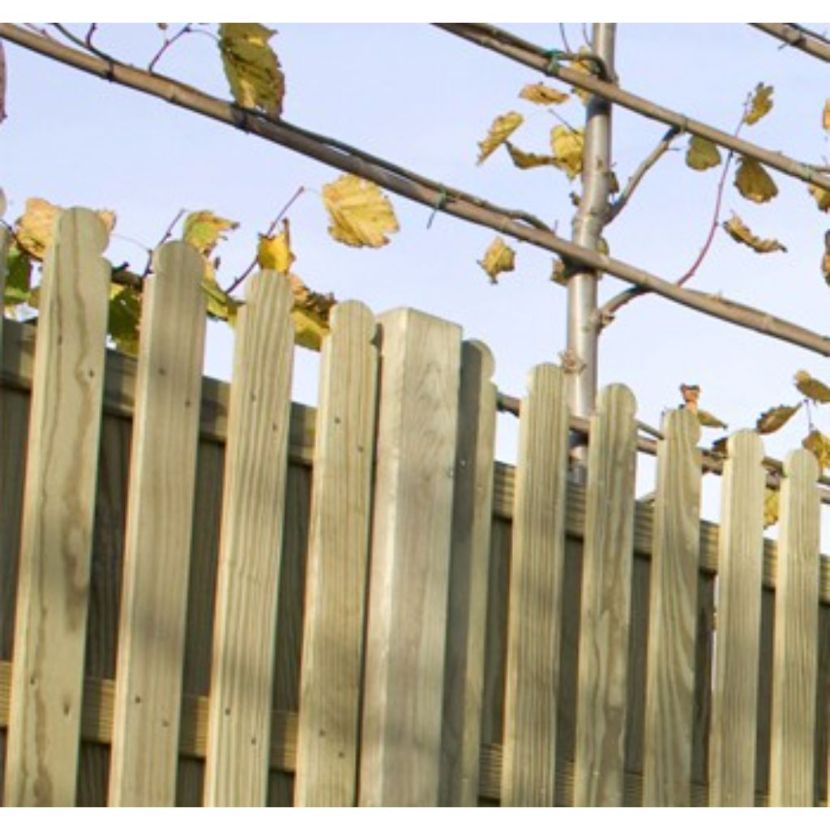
[795,645]
[469,568]
[535,601]
[606,601]
[158,534]
[411,541]
[735,695]
[58,508]
[338,552]
[236,772]
[5,240]
[670,684]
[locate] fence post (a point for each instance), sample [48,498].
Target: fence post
[606,601]
[675,560]
[5,238]
[338,554]
[58,510]
[740,564]
[535,600]
[148,680]
[795,645]
[411,539]
[253,509]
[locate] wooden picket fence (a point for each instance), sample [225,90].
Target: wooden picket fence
[210,595]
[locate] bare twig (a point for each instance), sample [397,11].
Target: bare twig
[648,162]
[798,37]
[167,234]
[85,44]
[518,224]
[271,228]
[563,34]
[89,35]
[168,42]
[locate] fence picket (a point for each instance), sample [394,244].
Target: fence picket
[606,601]
[5,239]
[157,538]
[740,561]
[236,772]
[795,646]
[469,567]
[535,601]
[58,511]
[670,683]
[338,551]
[411,538]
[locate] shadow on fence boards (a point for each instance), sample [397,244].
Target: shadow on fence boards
[210,595]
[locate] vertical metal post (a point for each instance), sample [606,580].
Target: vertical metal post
[580,359]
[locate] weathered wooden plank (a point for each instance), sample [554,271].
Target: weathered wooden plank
[5,240]
[56,545]
[821,739]
[735,695]
[411,537]
[795,646]
[535,601]
[606,600]
[670,684]
[338,551]
[148,681]
[469,569]
[704,651]
[236,772]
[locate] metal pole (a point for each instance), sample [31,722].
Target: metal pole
[580,358]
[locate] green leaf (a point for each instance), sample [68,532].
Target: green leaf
[18,277]
[203,229]
[702,154]
[124,318]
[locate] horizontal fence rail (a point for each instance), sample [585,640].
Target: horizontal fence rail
[212,596]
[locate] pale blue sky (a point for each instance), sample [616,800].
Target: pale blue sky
[422,98]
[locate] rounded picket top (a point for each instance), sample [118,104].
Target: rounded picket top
[801,465]
[83,225]
[178,257]
[545,376]
[681,425]
[747,442]
[485,360]
[617,400]
[352,315]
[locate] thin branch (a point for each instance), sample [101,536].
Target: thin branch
[529,54]
[563,34]
[797,37]
[167,234]
[271,228]
[168,42]
[411,186]
[648,162]
[85,44]
[89,35]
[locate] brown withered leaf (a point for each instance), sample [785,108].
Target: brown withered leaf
[691,395]
[771,507]
[825,115]
[498,259]
[811,387]
[753,182]
[541,94]
[774,418]
[719,447]
[702,154]
[821,196]
[819,445]
[825,258]
[760,105]
[526,161]
[500,130]
[741,233]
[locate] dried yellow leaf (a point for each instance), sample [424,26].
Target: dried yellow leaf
[203,229]
[541,94]
[702,154]
[825,115]
[771,503]
[825,258]
[500,130]
[811,387]
[760,105]
[34,229]
[220,305]
[274,252]
[360,214]
[567,146]
[821,196]
[707,419]
[819,445]
[525,161]
[774,418]
[251,67]
[753,182]
[310,314]
[741,233]
[498,258]
[586,67]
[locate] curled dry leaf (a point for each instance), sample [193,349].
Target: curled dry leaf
[310,314]
[203,229]
[541,94]
[274,252]
[719,447]
[34,229]
[774,418]
[825,115]
[760,105]
[251,67]
[811,387]
[586,67]
[567,146]
[741,233]
[819,445]
[771,507]
[821,196]
[498,259]
[825,258]
[707,419]
[361,215]
[702,154]
[526,161]
[500,130]
[753,182]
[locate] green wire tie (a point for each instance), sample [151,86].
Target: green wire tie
[439,205]
[553,55]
